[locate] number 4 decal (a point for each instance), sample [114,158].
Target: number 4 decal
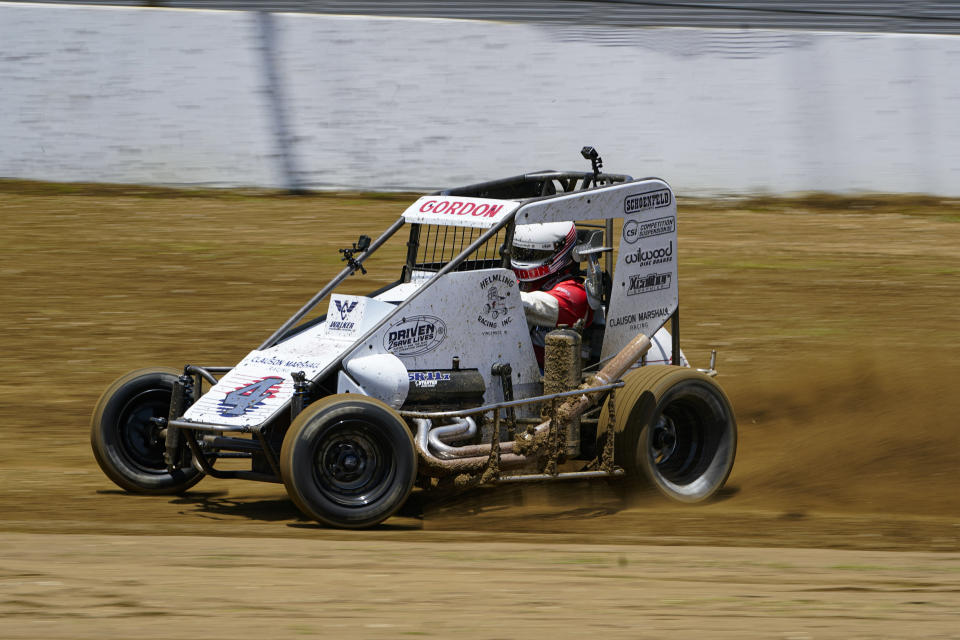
[250,396]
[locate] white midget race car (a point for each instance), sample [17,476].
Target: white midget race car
[432,380]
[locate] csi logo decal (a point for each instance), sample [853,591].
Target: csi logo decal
[345,307]
[415,335]
[634,230]
[249,396]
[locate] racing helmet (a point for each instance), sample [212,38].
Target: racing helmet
[542,250]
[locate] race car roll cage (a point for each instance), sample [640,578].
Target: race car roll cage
[483,458]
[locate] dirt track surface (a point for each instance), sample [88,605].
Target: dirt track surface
[82,586]
[836,323]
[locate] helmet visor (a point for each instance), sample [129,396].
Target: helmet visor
[522,254]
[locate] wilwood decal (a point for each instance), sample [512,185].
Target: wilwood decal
[649,200]
[415,335]
[646,257]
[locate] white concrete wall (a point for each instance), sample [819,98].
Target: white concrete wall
[184,97]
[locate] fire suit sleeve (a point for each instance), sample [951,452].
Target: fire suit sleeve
[541,308]
[572,301]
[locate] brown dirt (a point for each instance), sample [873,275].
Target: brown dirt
[836,324]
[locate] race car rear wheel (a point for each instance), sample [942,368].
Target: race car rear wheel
[675,427]
[348,461]
[127,445]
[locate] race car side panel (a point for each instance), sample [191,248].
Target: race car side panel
[645,283]
[476,316]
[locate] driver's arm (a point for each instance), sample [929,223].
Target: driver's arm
[541,308]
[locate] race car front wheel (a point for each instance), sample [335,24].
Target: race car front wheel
[127,444]
[674,426]
[348,461]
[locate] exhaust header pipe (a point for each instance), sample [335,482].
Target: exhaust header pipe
[476,457]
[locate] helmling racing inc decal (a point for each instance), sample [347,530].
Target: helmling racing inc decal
[249,396]
[496,312]
[649,282]
[634,230]
[415,335]
[644,256]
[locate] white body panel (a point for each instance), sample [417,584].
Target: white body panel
[379,375]
[245,397]
[661,350]
[645,284]
[476,316]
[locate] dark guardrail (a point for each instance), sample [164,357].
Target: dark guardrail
[915,16]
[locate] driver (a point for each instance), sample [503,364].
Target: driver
[552,292]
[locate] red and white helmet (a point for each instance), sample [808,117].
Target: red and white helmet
[542,250]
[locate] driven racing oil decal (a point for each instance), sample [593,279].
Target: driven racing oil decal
[415,335]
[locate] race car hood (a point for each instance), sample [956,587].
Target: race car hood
[262,383]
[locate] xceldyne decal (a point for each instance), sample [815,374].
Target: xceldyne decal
[649,282]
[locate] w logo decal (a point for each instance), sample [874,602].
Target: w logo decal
[345,308]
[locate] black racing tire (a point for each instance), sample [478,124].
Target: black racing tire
[348,461]
[126,443]
[674,427]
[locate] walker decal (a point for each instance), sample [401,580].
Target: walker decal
[345,307]
[344,316]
